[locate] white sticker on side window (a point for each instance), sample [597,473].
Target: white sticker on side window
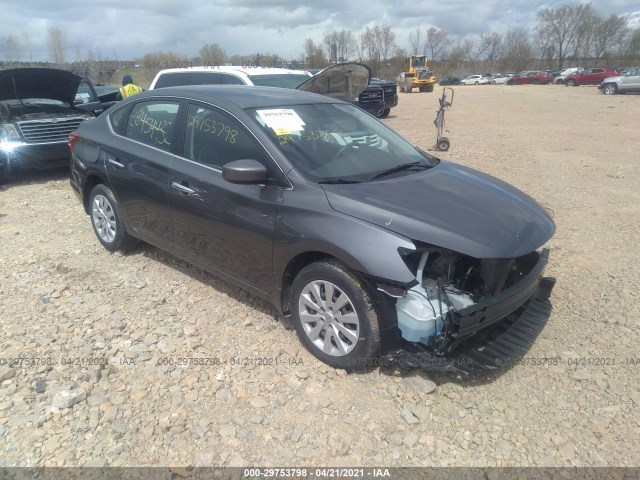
[282,120]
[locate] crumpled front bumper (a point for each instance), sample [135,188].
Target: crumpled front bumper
[490,334]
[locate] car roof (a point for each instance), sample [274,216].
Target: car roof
[240,96]
[247,70]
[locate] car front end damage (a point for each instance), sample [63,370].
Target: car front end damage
[463,314]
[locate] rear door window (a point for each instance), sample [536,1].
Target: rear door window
[153,123]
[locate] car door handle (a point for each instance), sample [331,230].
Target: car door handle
[115,163]
[183,188]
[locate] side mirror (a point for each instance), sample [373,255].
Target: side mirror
[244,171]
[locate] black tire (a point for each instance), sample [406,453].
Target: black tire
[477,83]
[385,113]
[443,144]
[5,169]
[571,83]
[429,88]
[610,89]
[358,354]
[106,220]
[535,82]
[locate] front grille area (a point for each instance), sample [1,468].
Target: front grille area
[49,131]
[390,91]
[371,96]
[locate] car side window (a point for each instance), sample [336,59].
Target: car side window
[228,79]
[214,139]
[85,93]
[153,123]
[204,78]
[172,79]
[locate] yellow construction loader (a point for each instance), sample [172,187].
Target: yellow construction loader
[416,75]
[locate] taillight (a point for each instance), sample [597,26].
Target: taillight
[74,137]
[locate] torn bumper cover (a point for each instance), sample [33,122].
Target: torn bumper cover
[490,334]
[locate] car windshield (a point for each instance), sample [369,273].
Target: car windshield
[339,143]
[282,80]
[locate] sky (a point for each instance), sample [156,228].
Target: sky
[129,29]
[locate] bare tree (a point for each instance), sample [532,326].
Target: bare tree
[437,43]
[632,50]
[562,25]
[607,35]
[57,45]
[212,54]
[518,49]
[11,48]
[377,44]
[345,43]
[313,55]
[489,48]
[458,56]
[415,40]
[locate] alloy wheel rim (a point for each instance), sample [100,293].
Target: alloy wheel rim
[104,218]
[329,318]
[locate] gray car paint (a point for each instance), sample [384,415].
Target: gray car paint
[450,206]
[367,225]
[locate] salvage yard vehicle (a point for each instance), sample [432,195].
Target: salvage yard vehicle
[589,76]
[229,75]
[475,80]
[559,79]
[390,90]
[38,111]
[625,83]
[417,74]
[377,249]
[529,78]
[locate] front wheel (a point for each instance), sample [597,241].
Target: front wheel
[570,83]
[334,315]
[385,113]
[107,220]
[610,89]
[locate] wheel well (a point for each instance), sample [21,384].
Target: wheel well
[296,264]
[89,184]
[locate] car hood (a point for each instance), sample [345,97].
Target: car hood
[450,206]
[613,78]
[50,83]
[344,81]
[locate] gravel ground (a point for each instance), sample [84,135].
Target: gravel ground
[64,298]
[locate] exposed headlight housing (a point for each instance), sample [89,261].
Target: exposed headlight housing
[8,132]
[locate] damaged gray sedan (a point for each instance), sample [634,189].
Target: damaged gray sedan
[377,249]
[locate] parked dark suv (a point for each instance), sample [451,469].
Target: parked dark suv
[39,108]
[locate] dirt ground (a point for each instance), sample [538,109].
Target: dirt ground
[66,301]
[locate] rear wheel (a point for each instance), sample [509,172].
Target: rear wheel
[570,83]
[610,89]
[477,83]
[107,220]
[536,82]
[334,315]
